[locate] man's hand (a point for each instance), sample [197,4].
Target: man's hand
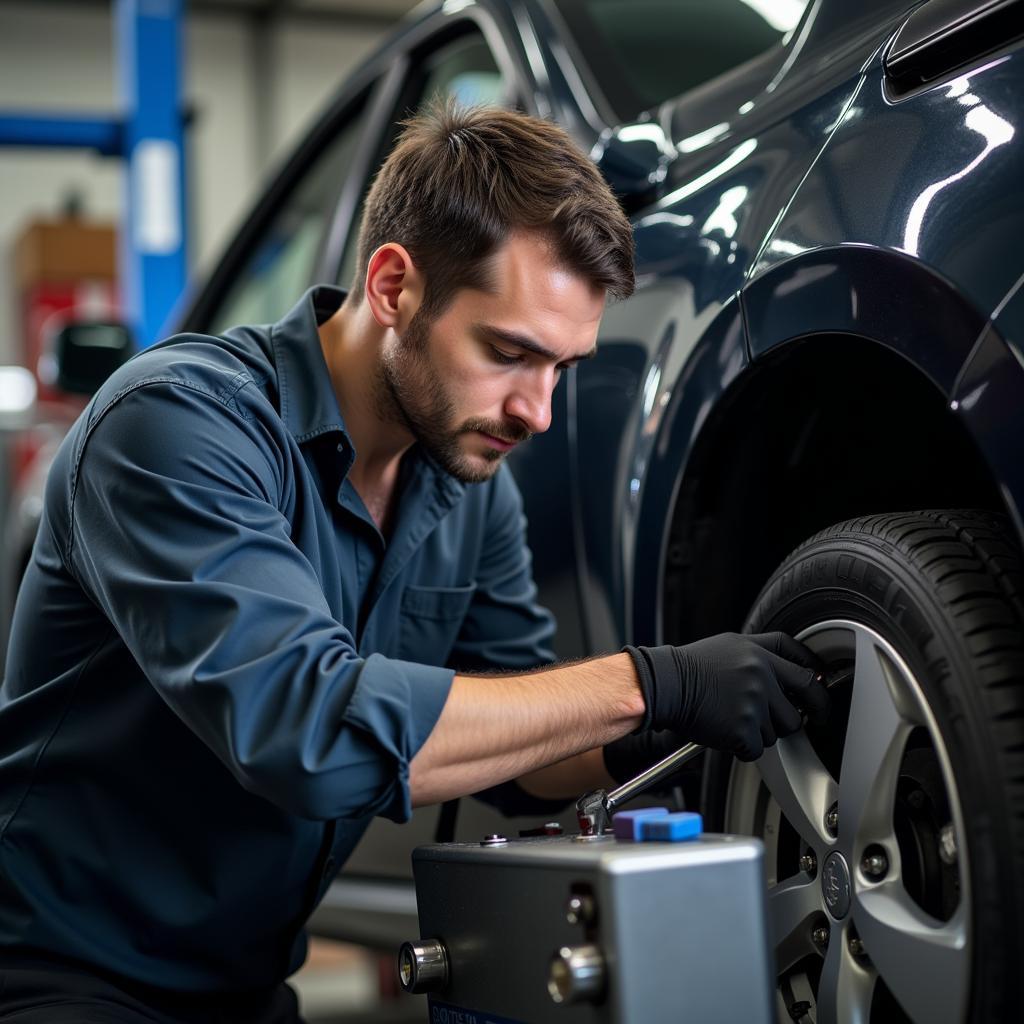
[731,692]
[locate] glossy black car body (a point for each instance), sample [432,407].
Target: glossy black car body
[812,235]
[828,323]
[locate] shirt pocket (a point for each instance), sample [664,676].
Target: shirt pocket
[429,622]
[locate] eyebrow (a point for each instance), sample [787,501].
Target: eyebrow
[524,341]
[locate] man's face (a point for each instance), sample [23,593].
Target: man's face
[478,380]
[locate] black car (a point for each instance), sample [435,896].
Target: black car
[809,417]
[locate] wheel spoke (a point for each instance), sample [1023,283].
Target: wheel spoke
[875,736]
[921,959]
[846,988]
[792,907]
[802,786]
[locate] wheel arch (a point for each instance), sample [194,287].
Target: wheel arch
[879,294]
[839,337]
[824,428]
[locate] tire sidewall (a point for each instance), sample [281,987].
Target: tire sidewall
[872,583]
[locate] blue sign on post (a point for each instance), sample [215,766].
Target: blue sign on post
[153,241]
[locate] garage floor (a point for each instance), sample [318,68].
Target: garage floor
[341,984]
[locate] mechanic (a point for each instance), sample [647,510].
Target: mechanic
[273,572]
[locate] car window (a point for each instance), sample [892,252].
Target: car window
[464,69]
[282,260]
[643,52]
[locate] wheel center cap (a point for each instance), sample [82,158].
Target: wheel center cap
[835,885]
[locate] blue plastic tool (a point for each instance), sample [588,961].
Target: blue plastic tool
[627,823]
[672,828]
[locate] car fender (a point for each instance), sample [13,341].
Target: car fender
[876,293]
[905,305]
[884,297]
[988,399]
[673,428]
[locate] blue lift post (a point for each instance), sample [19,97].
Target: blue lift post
[148,134]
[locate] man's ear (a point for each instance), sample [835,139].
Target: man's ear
[394,286]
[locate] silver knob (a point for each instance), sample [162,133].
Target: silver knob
[423,966]
[576,975]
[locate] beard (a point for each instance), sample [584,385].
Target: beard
[410,390]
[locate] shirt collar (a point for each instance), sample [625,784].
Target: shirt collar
[309,406]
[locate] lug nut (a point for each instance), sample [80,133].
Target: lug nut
[832,821]
[875,864]
[855,945]
[947,844]
[808,863]
[820,936]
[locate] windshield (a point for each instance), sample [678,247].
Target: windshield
[643,52]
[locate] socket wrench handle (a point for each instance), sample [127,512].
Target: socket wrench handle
[669,766]
[594,809]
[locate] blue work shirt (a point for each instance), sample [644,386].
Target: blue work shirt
[219,669]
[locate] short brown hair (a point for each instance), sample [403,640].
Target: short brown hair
[461,180]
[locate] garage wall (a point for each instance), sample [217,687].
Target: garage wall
[254,87]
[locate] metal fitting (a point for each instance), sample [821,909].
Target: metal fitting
[494,840]
[820,936]
[423,966]
[808,863]
[832,820]
[576,975]
[580,909]
[875,864]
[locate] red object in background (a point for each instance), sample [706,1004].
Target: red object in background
[46,306]
[65,270]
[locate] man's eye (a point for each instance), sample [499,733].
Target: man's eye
[504,358]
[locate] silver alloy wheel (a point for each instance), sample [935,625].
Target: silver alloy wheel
[925,962]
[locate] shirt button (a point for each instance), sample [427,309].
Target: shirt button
[341,447]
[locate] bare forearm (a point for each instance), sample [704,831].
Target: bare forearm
[496,728]
[569,778]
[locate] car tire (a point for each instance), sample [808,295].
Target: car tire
[920,619]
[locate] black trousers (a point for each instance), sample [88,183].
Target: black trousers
[42,993]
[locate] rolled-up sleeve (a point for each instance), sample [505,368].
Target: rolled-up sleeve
[177,534]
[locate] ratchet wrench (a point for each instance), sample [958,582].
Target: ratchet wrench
[594,809]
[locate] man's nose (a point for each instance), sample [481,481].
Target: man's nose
[530,403]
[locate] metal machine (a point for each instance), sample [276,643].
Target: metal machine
[646,921]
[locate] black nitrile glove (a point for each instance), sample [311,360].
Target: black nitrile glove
[731,692]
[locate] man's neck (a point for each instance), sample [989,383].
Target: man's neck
[351,342]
